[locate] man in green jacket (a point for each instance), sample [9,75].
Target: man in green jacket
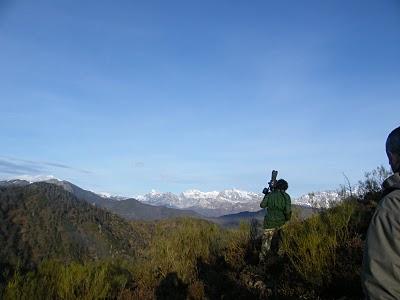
[278,211]
[381,262]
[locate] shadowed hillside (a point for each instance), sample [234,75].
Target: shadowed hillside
[41,221]
[130,209]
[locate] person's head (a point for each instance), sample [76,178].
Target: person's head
[393,149]
[282,185]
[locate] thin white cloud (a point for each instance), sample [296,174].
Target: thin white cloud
[18,166]
[12,167]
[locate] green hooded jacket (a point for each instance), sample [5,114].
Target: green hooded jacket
[381,263]
[278,209]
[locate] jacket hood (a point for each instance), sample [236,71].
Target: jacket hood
[392,182]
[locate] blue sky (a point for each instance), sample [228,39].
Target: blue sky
[129,96]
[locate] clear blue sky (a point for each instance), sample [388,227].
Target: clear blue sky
[129,96]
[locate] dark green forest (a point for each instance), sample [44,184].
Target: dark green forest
[54,245]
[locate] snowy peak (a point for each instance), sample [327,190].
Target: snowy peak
[163,199]
[104,195]
[199,195]
[238,196]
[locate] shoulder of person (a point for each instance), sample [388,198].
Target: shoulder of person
[391,202]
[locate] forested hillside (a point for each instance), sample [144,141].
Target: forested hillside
[42,221]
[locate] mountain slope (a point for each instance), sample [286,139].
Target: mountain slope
[41,220]
[130,209]
[133,209]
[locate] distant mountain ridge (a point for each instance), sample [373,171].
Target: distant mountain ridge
[194,203]
[211,204]
[130,208]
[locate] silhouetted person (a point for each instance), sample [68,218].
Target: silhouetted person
[278,205]
[381,262]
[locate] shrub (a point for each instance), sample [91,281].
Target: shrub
[180,248]
[176,249]
[237,242]
[54,280]
[373,180]
[311,245]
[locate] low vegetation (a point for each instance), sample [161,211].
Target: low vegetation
[312,245]
[55,280]
[318,258]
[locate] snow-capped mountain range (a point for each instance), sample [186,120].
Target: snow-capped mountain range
[207,203]
[229,201]
[192,198]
